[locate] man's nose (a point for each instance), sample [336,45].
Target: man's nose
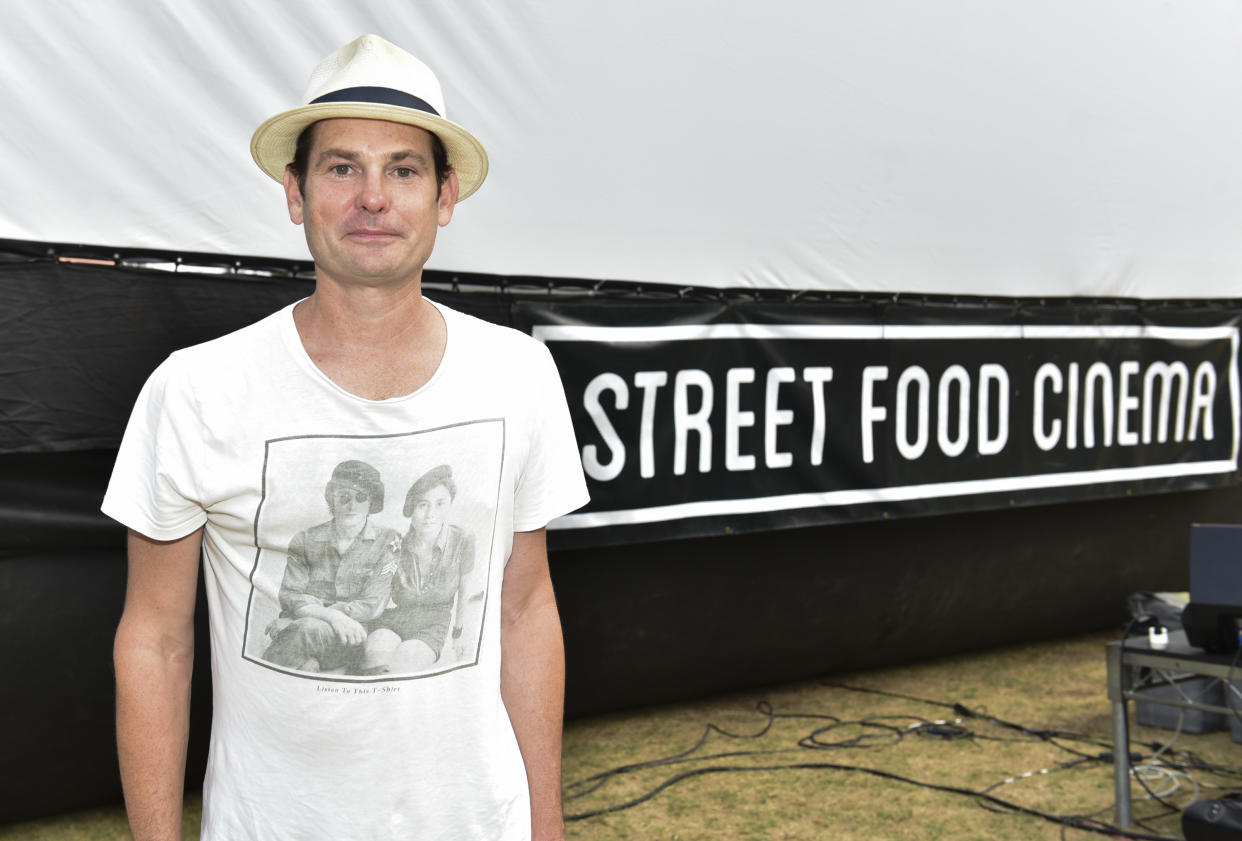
[373,196]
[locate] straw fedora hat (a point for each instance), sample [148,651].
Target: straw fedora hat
[372,79]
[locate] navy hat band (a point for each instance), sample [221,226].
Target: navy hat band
[380,96]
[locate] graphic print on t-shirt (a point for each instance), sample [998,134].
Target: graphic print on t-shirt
[374,553]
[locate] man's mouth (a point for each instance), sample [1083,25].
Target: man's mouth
[371,234]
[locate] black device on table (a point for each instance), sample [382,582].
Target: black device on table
[1213,618]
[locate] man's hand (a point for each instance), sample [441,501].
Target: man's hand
[348,629]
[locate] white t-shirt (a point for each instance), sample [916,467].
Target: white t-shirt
[242,434]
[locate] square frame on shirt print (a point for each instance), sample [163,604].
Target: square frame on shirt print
[297,473]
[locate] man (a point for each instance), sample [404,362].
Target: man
[338,576]
[223,431]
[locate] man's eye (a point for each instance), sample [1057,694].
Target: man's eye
[404,172]
[340,169]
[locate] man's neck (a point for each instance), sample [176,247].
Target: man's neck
[374,342]
[346,532]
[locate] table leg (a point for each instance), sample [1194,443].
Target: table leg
[1121,764]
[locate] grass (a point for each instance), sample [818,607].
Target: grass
[756,735]
[1057,685]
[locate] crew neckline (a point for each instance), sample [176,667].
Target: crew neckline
[293,342]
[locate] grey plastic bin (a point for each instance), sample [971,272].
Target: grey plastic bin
[1204,690]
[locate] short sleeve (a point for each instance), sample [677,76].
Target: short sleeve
[153,489]
[551,483]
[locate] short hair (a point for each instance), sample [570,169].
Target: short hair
[301,158]
[436,476]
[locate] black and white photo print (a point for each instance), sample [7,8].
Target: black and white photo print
[375,552]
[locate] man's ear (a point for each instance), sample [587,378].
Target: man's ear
[293,196]
[448,198]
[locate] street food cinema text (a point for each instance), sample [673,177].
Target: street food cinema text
[955,411]
[702,428]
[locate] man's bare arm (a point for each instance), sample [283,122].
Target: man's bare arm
[532,677]
[154,658]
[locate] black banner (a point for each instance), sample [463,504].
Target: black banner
[742,418]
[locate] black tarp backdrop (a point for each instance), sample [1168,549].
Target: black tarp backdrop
[747,414]
[644,623]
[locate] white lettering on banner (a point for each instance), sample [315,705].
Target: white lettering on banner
[913,376]
[698,420]
[1048,376]
[1124,404]
[914,384]
[1071,417]
[1112,396]
[735,419]
[1100,376]
[954,375]
[774,416]
[685,422]
[596,469]
[990,373]
[1166,374]
[1127,404]
[648,381]
[817,377]
[1205,394]
[1194,402]
[871,413]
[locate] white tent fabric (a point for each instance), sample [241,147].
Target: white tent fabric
[1058,147]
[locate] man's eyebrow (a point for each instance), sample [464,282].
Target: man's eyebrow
[400,155]
[336,153]
[409,154]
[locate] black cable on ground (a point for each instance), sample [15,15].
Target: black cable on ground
[1071,822]
[879,732]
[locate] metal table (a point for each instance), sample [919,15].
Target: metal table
[1179,657]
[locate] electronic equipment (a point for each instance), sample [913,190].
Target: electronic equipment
[1213,820]
[1213,619]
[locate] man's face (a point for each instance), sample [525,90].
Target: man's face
[350,504]
[370,207]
